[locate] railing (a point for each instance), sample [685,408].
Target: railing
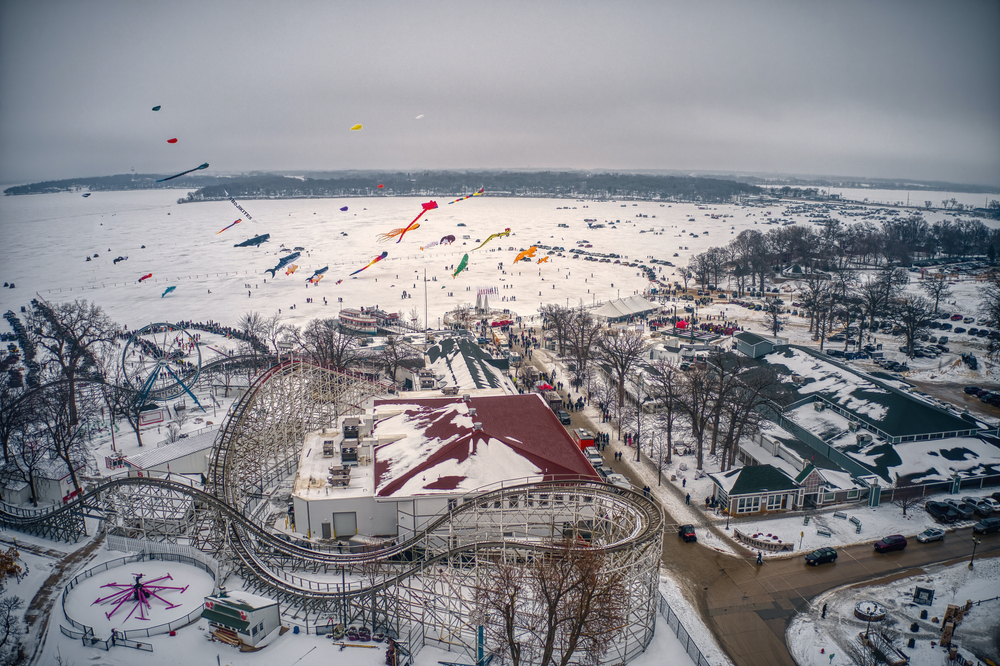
[683,635]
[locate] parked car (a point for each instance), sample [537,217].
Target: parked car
[931,534]
[619,480]
[604,471]
[959,329]
[821,556]
[979,505]
[687,533]
[943,340]
[956,317]
[969,390]
[991,524]
[944,513]
[995,505]
[890,543]
[563,417]
[964,509]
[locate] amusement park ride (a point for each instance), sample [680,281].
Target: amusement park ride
[139,594]
[161,362]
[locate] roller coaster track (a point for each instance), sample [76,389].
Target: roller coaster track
[422,580]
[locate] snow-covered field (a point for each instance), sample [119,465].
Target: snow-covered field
[48,237]
[809,634]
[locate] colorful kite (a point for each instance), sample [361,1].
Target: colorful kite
[339,281]
[171,140]
[230,226]
[291,269]
[371,263]
[382,238]
[317,275]
[356,127]
[447,240]
[156,108]
[529,253]
[86,195]
[169,289]
[499,234]
[284,261]
[145,277]
[344,208]
[254,242]
[474,194]
[238,207]
[197,168]
[462,265]
[388,236]
[543,259]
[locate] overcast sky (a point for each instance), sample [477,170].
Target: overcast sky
[905,89]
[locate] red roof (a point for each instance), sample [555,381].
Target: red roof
[449,454]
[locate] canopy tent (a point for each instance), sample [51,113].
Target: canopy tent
[623,308]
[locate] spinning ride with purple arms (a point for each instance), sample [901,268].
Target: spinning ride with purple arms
[139,594]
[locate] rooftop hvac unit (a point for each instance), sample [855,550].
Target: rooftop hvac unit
[863,437]
[819,406]
[852,426]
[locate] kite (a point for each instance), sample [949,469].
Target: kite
[284,261]
[419,117]
[156,108]
[197,168]
[543,259]
[372,262]
[382,238]
[169,289]
[229,227]
[447,240]
[356,127]
[319,272]
[255,241]
[344,208]
[474,194]
[380,186]
[145,277]
[291,269]
[430,205]
[339,281]
[462,265]
[315,279]
[499,234]
[529,253]
[239,207]
[171,140]
[86,195]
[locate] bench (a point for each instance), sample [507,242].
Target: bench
[840,514]
[825,532]
[857,524]
[805,521]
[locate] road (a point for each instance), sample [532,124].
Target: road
[749,607]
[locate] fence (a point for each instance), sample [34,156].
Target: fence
[682,634]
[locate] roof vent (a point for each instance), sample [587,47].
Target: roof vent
[472,411]
[466,397]
[477,426]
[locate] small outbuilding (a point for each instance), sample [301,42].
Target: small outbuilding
[241,617]
[752,344]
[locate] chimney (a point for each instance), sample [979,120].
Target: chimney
[477,426]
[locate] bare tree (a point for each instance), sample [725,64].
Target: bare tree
[15,412]
[65,439]
[555,607]
[774,319]
[698,400]
[29,455]
[71,333]
[912,314]
[906,495]
[582,331]
[557,318]
[394,354]
[989,311]
[11,627]
[936,288]
[619,350]
[665,384]
[327,343]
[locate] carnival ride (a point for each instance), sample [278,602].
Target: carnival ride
[140,593]
[418,587]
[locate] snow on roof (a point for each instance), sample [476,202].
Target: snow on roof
[170,452]
[932,460]
[750,480]
[246,599]
[435,448]
[466,365]
[868,398]
[625,307]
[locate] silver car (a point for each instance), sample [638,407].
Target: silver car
[931,534]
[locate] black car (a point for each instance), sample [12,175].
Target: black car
[821,556]
[686,532]
[991,524]
[889,543]
[969,390]
[942,512]
[563,417]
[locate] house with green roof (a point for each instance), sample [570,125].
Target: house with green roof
[746,490]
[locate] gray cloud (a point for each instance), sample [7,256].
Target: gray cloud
[890,89]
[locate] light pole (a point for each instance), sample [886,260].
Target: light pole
[638,420]
[975,542]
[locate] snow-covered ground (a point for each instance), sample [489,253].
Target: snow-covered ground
[814,641]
